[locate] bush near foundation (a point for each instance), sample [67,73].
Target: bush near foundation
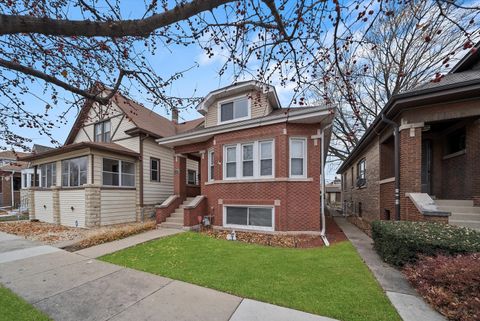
[401,242]
[450,283]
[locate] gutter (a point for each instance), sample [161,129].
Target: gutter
[396,134]
[322,185]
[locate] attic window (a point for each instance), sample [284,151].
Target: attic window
[234,110]
[102,131]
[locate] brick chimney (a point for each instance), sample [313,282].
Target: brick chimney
[175,115]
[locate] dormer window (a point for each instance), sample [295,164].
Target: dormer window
[237,109]
[102,131]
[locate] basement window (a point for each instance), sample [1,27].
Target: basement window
[249,217]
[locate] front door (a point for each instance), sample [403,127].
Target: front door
[426,166]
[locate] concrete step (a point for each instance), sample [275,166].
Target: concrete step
[460,209]
[172,225]
[471,224]
[465,216]
[176,215]
[454,202]
[171,219]
[178,211]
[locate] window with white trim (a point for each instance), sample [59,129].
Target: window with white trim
[48,175]
[74,171]
[249,217]
[118,173]
[191,177]
[234,110]
[154,169]
[249,160]
[211,165]
[102,131]
[298,159]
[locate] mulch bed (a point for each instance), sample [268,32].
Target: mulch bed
[334,235]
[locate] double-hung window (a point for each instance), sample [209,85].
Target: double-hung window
[118,173]
[298,159]
[361,170]
[154,169]
[249,217]
[249,160]
[74,172]
[48,174]
[102,131]
[234,110]
[211,165]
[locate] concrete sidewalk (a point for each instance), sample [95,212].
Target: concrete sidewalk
[404,298]
[69,286]
[110,247]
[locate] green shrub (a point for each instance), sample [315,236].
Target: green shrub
[399,243]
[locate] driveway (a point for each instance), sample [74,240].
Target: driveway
[71,286]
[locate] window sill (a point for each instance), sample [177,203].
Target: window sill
[248,228]
[452,155]
[260,180]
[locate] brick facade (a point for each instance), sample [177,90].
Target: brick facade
[296,202]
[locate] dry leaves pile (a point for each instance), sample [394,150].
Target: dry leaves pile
[44,232]
[300,241]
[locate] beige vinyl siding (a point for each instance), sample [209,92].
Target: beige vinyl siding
[260,106]
[117,206]
[132,143]
[72,199]
[44,206]
[157,192]
[121,124]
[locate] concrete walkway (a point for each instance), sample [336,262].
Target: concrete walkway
[404,298]
[70,286]
[110,247]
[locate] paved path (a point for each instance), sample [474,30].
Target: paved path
[404,298]
[70,286]
[110,247]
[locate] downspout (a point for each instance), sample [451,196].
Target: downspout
[322,185]
[396,135]
[142,213]
[11,190]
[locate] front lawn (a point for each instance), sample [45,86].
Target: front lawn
[332,281]
[15,308]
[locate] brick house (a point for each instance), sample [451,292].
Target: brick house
[260,164]
[438,171]
[10,178]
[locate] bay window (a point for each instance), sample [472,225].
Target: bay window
[298,159]
[118,173]
[234,110]
[74,172]
[249,160]
[48,174]
[249,217]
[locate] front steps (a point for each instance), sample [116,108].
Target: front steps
[175,220]
[463,212]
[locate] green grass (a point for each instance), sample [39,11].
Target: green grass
[15,308]
[332,281]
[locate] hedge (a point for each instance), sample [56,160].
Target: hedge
[400,242]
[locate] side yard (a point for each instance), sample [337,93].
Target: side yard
[332,282]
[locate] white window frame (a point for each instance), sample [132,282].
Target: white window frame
[249,227]
[69,174]
[102,131]
[256,160]
[153,159]
[42,174]
[120,173]
[305,153]
[211,163]
[233,100]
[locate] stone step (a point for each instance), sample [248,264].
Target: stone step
[460,209]
[471,224]
[179,211]
[171,219]
[465,216]
[172,225]
[176,215]
[454,202]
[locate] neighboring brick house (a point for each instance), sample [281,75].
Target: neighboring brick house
[260,164]
[10,178]
[439,154]
[110,169]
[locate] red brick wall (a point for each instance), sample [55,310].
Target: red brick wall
[387,200]
[190,215]
[410,166]
[299,208]
[473,160]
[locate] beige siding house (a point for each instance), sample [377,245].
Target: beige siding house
[110,169]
